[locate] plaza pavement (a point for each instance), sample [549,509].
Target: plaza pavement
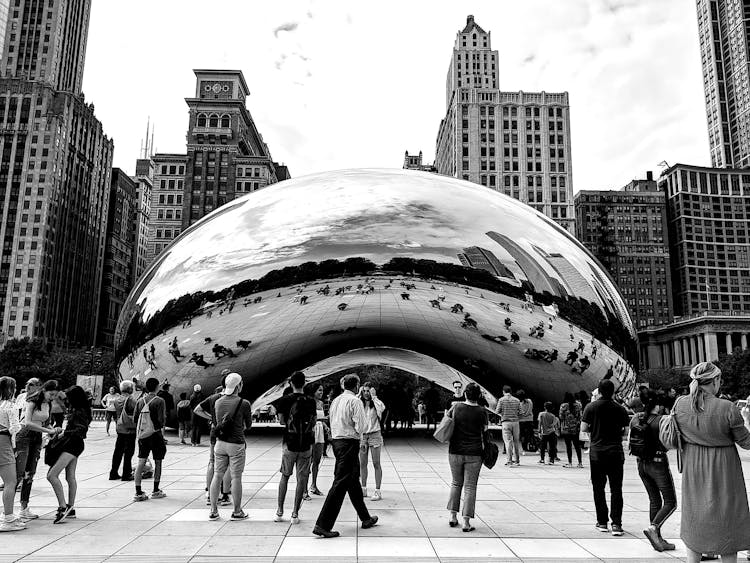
[532,513]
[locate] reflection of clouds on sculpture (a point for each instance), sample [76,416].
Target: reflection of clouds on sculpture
[333,227]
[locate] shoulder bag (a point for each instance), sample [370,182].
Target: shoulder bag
[444,430]
[670,435]
[490,451]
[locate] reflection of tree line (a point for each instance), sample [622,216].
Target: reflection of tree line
[573,309]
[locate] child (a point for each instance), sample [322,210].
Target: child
[184,413]
[549,428]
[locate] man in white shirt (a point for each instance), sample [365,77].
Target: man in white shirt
[347,422]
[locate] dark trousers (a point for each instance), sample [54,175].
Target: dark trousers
[345,480]
[124,450]
[549,441]
[607,467]
[195,433]
[662,500]
[571,440]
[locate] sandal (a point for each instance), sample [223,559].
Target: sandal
[469,529]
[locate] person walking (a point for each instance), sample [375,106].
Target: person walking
[431,399]
[150,418]
[76,428]
[606,420]
[231,415]
[570,427]
[347,420]
[110,410]
[653,466]
[298,413]
[525,418]
[549,426]
[35,422]
[372,439]
[509,409]
[9,427]
[321,429]
[125,428]
[715,515]
[465,455]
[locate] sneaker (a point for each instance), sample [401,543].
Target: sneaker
[322,532]
[62,514]
[241,515]
[12,526]
[114,476]
[26,514]
[602,528]
[225,501]
[316,491]
[617,530]
[71,513]
[567,465]
[140,497]
[158,494]
[214,515]
[306,497]
[279,517]
[540,462]
[370,522]
[515,464]
[580,466]
[376,495]
[295,519]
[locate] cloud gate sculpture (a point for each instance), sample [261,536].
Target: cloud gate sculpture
[404,264]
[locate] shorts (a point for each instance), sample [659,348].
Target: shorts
[6,451]
[228,455]
[73,445]
[371,439]
[290,460]
[154,444]
[109,416]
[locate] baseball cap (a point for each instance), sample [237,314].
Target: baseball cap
[196,387]
[231,383]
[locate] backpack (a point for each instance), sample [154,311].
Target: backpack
[126,421]
[641,441]
[300,425]
[145,426]
[223,428]
[184,411]
[571,419]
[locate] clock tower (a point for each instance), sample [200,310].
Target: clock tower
[226,155]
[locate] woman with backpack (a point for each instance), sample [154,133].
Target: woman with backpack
[653,466]
[72,445]
[372,438]
[570,426]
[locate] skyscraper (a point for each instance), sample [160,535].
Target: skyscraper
[166,213]
[55,164]
[626,230]
[724,32]
[144,184]
[517,143]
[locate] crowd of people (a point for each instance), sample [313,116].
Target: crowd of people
[710,427]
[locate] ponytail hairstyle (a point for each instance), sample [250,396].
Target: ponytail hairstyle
[38,398]
[702,375]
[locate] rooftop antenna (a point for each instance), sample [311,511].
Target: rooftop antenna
[148,126]
[151,146]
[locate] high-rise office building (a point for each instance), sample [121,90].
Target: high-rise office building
[626,230]
[165,219]
[517,143]
[708,211]
[4,11]
[117,278]
[724,33]
[55,164]
[144,184]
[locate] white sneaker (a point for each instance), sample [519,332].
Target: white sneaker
[376,495]
[295,519]
[26,514]
[278,517]
[12,526]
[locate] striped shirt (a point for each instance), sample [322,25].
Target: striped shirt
[509,408]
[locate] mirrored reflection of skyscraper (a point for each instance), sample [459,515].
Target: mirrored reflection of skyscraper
[534,272]
[483,259]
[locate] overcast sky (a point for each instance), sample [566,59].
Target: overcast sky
[340,84]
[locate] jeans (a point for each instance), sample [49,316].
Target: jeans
[512,439]
[464,474]
[657,478]
[345,480]
[195,432]
[549,441]
[571,441]
[604,467]
[28,449]
[124,450]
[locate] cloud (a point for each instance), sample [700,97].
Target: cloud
[289,26]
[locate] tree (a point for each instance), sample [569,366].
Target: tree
[665,378]
[735,373]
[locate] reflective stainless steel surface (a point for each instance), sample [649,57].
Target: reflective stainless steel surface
[313,268]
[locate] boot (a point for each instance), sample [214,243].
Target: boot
[665,544]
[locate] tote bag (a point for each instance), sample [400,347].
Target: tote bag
[670,435]
[490,452]
[444,430]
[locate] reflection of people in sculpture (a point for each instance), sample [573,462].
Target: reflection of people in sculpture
[435,303]
[514,338]
[593,352]
[508,323]
[457,308]
[198,360]
[468,322]
[221,351]
[342,306]
[405,296]
[571,358]
[244,344]
[303,300]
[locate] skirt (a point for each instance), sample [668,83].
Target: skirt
[6,451]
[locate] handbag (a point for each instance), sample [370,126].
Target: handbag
[444,430]
[54,449]
[490,452]
[584,436]
[670,435]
